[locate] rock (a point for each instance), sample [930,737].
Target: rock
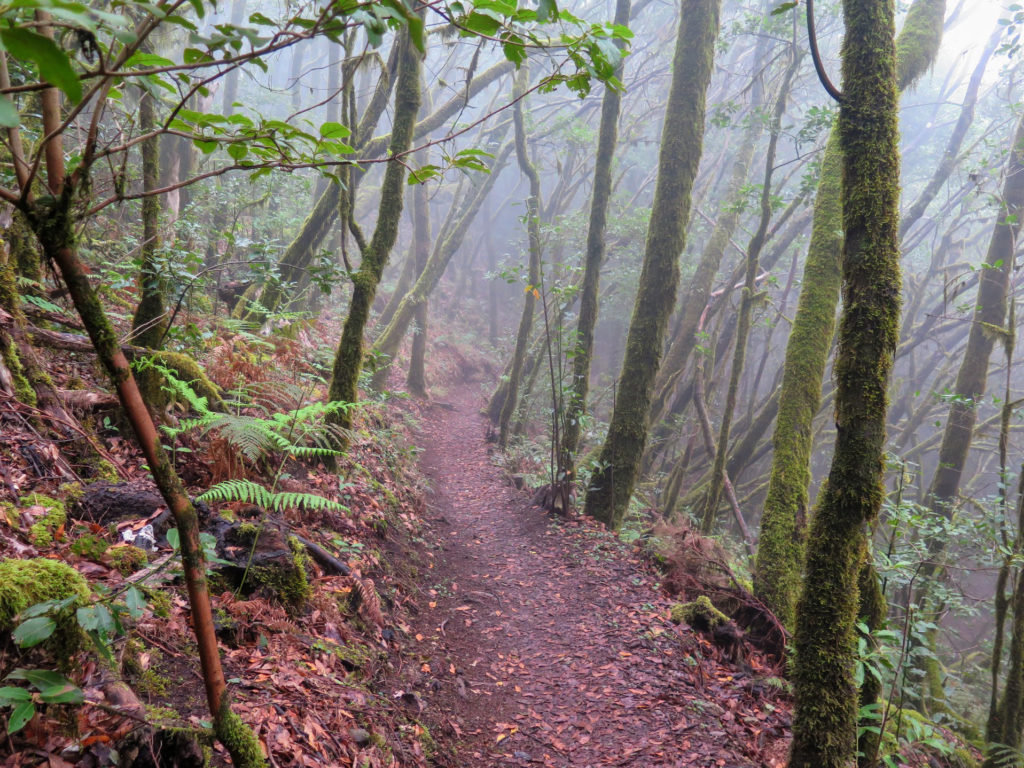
[104,502]
[360,736]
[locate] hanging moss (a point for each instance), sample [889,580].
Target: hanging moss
[919,40]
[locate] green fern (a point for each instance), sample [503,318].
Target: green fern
[254,493]
[300,433]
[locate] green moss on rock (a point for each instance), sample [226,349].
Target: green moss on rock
[289,583]
[128,559]
[699,613]
[24,583]
[90,546]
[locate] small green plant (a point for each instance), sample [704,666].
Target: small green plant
[50,688]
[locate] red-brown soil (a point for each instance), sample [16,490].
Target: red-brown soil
[546,641]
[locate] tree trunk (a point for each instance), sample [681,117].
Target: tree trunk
[533,278]
[444,249]
[826,702]
[986,328]
[150,322]
[231,78]
[416,380]
[682,141]
[607,136]
[348,361]
[718,474]
[783,523]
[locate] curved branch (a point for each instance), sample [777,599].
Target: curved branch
[819,67]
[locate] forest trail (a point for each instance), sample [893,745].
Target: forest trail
[547,642]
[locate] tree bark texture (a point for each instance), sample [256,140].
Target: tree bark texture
[682,141]
[348,361]
[826,700]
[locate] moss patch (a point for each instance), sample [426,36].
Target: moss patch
[699,614]
[23,583]
[289,583]
[90,547]
[128,559]
[53,519]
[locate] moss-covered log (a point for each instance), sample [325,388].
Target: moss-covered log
[682,142]
[826,700]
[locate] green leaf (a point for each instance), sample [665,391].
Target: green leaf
[335,131]
[40,678]
[9,696]
[547,10]
[65,693]
[9,117]
[481,24]
[783,8]
[143,60]
[34,631]
[95,618]
[22,713]
[237,151]
[174,539]
[136,603]
[204,146]
[420,175]
[54,65]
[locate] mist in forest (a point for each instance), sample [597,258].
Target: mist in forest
[643,232]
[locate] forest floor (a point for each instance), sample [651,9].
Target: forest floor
[547,641]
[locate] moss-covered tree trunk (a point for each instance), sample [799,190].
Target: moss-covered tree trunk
[51,220]
[697,292]
[682,141]
[533,277]
[348,361]
[826,699]
[150,322]
[718,474]
[416,380]
[784,519]
[446,246]
[607,136]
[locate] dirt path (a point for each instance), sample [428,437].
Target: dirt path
[547,642]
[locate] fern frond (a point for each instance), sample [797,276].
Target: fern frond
[254,493]
[238,490]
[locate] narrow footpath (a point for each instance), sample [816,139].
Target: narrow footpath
[547,641]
